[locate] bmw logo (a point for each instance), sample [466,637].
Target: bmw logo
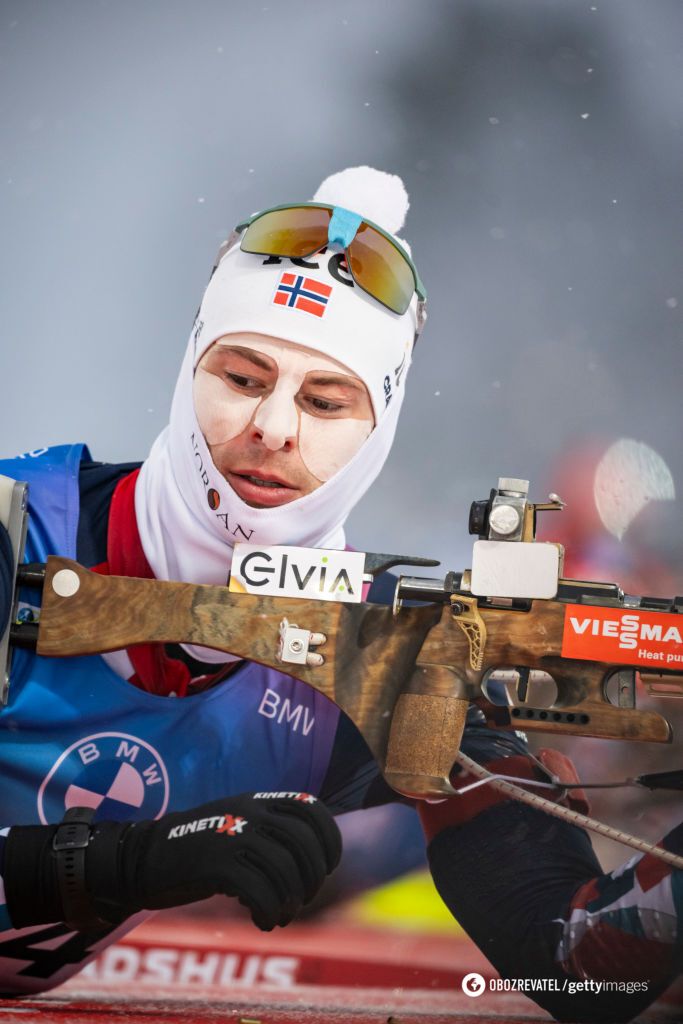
[117,775]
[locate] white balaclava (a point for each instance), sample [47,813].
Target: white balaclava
[188,515]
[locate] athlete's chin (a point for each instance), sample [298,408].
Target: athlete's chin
[270,504]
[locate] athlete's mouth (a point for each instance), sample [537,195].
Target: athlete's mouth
[261,481]
[261,490]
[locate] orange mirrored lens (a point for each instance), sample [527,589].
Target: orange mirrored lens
[295,232]
[381,269]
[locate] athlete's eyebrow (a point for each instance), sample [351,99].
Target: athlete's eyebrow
[335,380]
[249,355]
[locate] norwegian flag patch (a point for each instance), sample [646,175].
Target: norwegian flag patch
[305,293]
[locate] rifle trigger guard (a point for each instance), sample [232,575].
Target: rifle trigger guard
[466,614]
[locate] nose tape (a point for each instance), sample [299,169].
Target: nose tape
[277,418]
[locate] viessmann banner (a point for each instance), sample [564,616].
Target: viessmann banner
[628,637]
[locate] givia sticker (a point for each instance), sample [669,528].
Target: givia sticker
[317,573]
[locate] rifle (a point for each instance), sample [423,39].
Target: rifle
[567,652]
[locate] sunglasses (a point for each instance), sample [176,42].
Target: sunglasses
[376,261]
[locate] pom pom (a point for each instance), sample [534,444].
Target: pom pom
[405,245]
[373,194]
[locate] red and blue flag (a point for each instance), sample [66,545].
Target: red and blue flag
[304,293]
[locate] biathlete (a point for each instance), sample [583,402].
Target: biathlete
[154,776]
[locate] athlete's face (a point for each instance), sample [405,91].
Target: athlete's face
[279,419]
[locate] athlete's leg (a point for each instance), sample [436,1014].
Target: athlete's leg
[529,890]
[384,840]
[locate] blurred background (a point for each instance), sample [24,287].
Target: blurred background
[541,143]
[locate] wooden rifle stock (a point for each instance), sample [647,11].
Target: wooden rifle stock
[405,681]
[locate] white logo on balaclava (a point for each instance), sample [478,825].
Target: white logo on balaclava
[188,515]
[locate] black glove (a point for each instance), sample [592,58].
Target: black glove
[270,851]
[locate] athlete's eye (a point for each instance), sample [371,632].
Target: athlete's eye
[244,383]
[322,405]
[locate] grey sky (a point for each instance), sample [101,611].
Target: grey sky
[541,144]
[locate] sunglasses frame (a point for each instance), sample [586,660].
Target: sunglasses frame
[420,289]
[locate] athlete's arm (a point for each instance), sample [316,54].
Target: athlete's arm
[271,851]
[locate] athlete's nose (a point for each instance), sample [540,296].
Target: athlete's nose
[277,420]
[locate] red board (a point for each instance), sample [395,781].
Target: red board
[361,976]
[167,953]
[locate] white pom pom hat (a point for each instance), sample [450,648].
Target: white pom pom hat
[249,293]
[376,195]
